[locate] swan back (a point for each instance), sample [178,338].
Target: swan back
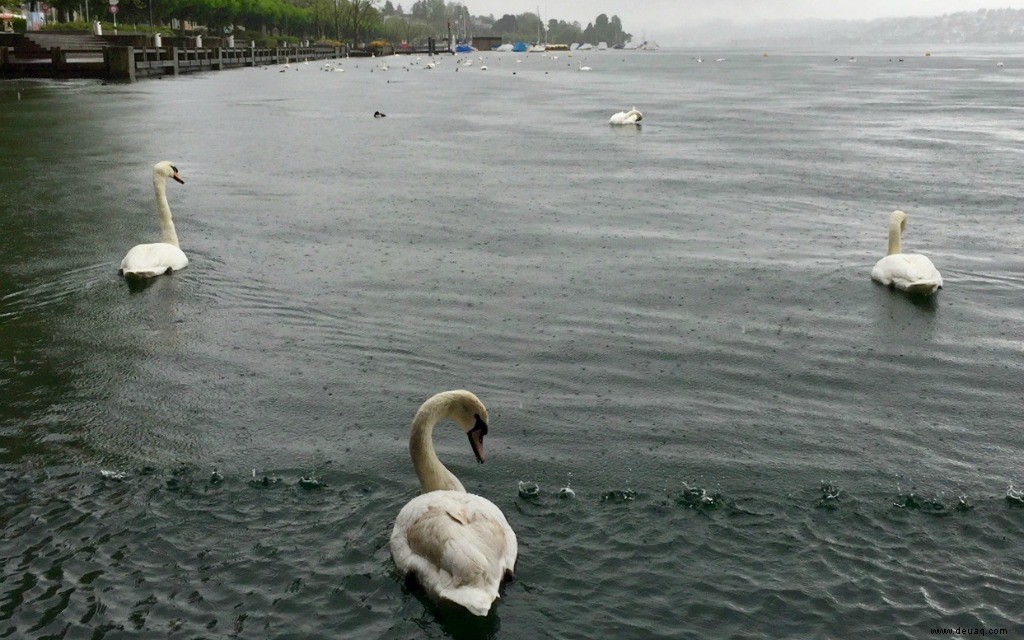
[154,259]
[633,116]
[459,546]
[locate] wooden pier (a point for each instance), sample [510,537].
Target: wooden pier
[81,59]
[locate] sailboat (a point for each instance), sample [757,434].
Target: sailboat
[539,47]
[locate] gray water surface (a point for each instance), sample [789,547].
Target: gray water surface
[641,309]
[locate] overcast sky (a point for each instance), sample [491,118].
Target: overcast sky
[654,16]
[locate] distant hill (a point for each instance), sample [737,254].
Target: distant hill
[995,26]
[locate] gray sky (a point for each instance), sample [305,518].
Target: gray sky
[663,16]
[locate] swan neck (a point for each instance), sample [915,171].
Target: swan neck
[167,233]
[894,237]
[433,475]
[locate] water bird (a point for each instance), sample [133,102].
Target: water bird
[627,117]
[148,260]
[459,546]
[483,67]
[378,114]
[581,67]
[910,272]
[1000,64]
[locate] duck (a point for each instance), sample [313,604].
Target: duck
[457,545]
[378,114]
[910,272]
[157,258]
[627,117]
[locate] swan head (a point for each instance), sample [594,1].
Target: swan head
[167,170]
[466,410]
[900,218]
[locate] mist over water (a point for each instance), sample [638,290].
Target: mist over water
[676,321]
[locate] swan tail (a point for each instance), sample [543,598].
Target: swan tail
[139,274]
[476,600]
[924,287]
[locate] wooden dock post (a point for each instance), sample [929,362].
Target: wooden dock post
[174,60]
[119,62]
[219,64]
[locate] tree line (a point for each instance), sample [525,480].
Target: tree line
[355,21]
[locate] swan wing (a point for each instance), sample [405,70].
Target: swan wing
[618,118]
[148,260]
[908,272]
[458,545]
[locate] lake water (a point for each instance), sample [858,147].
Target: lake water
[686,304]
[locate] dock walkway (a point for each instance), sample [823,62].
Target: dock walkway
[60,55]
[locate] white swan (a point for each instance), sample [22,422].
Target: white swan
[911,272]
[579,65]
[627,117]
[458,545]
[148,260]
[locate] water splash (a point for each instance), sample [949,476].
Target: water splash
[829,496]
[1015,497]
[528,490]
[914,502]
[566,492]
[311,482]
[265,481]
[619,495]
[698,498]
[117,476]
[963,505]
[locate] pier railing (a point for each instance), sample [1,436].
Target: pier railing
[131,63]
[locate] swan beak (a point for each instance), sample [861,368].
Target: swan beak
[476,439]
[178,178]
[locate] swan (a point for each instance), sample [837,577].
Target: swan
[459,546]
[579,65]
[148,260]
[627,117]
[911,272]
